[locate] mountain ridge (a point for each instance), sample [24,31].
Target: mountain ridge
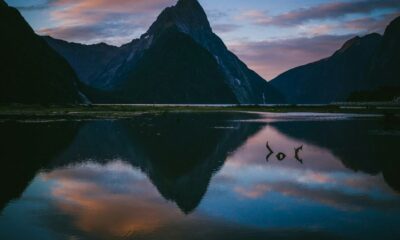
[31,71]
[361,64]
[91,57]
[187,17]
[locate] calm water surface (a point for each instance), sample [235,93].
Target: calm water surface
[201,176]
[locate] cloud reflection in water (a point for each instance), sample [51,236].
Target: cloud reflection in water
[244,197]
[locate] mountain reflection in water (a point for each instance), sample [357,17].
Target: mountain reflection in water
[200,176]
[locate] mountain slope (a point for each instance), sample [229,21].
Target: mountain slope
[205,79]
[333,78]
[31,72]
[191,19]
[87,60]
[362,64]
[190,74]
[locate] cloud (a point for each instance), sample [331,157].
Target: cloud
[115,201]
[253,192]
[335,198]
[101,20]
[256,17]
[118,29]
[32,7]
[270,58]
[40,6]
[215,15]
[224,28]
[361,25]
[333,10]
[369,24]
[129,205]
[119,21]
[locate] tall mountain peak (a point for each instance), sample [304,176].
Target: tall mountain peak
[193,65]
[190,3]
[187,15]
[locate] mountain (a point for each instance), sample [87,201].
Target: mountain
[362,64]
[31,71]
[174,70]
[178,60]
[385,67]
[384,73]
[86,60]
[331,79]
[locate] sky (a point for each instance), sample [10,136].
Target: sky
[270,36]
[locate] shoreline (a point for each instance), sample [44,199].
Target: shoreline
[115,111]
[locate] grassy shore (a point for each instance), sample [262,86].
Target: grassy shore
[127,111]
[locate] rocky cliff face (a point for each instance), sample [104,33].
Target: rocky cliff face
[31,71]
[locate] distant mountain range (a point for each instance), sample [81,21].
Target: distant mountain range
[181,60]
[31,71]
[178,60]
[359,68]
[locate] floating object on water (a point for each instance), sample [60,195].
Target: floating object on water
[296,154]
[280,156]
[270,152]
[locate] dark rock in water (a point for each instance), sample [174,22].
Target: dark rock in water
[206,72]
[31,71]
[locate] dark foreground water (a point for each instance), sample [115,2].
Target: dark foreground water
[201,176]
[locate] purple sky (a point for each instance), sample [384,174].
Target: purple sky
[268,35]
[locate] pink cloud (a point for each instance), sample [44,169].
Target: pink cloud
[253,192]
[89,21]
[332,10]
[270,58]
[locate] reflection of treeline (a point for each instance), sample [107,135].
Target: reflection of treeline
[387,94]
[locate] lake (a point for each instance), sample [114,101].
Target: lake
[208,175]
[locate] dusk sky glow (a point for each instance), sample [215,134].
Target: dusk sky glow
[270,36]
